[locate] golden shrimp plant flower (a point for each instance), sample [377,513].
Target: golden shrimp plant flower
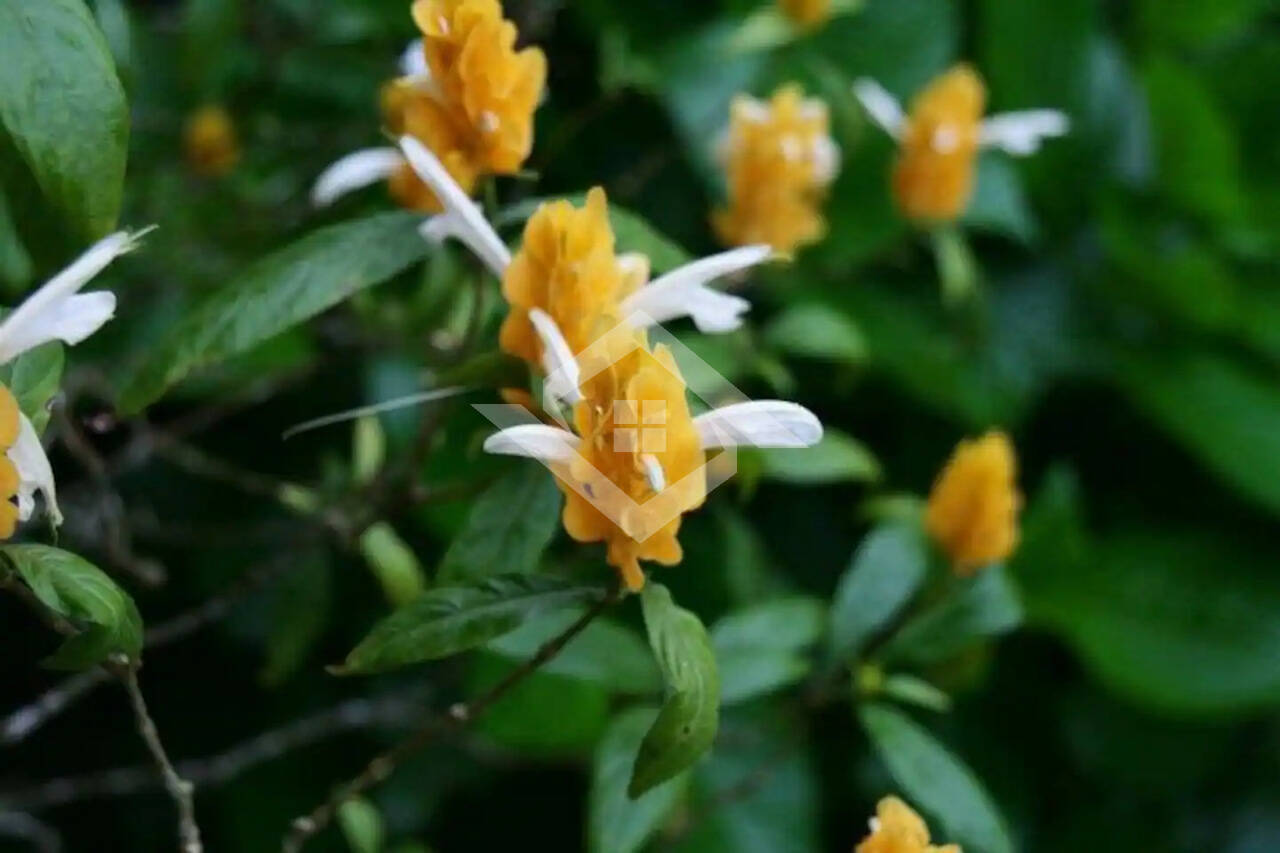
[57,311]
[209,141]
[896,828]
[972,512]
[779,159]
[939,140]
[465,92]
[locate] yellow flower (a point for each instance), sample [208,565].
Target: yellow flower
[933,178]
[640,460]
[408,109]
[566,266]
[806,13]
[9,478]
[896,828]
[779,159]
[209,140]
[973,508]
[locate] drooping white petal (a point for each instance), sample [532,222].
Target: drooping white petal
[684,292]
[462,218]
[34,472]
[413,60]
[563,373]
[536,441]
[882,107]
[54,312]
[653,472]
[1021,133]
[826,159]
[759,423]
[354,171]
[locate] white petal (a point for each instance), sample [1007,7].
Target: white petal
[413,61]
[826,159]
[53,312]
[358,169]
[759,423]
[1020,133]
[536,441]
[653,472]
[684,292]
[563,374]
[34,472]
[462,219]
[882,107]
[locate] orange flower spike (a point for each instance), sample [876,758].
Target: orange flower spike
[779,159]
[973,508]
[209,141]
[896,828]
[933,177]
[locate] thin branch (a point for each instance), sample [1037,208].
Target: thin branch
[458,716]
[179,789]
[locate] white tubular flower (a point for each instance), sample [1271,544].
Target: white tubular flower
[355,171]
[759,423]
[34,472]
[684,292]
[1021,133]
[561,368]
[535,441]
[462,218]
[882,107]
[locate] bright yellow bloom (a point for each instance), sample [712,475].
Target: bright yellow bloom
[779,159]
[973,508]
[567,267]
[933,178]
[209,140]
[407,109]
[806,13]
[640,461]
[8,473]
[896,828]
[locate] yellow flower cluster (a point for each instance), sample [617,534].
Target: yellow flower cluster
[210,143]
[779,160]
[8,473]
[806,13]
[896,828]
[973,508]
[476,111]
[933,177]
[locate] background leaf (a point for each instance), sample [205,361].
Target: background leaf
[760,649]
[884,574]
[34,378]
[604,652]
[618,822]
[509,527]
[978,607]
[838,457]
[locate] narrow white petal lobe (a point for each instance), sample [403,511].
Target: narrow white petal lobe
[34,472]
[1021,133]
[759,423]
[684,292]
[356,170]
[536,441]
[563,374]
[882,107]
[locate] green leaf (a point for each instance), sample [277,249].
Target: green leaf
[275,294]
[64,109]
[759,649]
[604,652]
[509,527]
[76,589]
[362,826]
[815,330]
[447,620]
[299,613]
[393,563]
[937,781]
[884,574]
[618,822]
[838,458]
[976,608]
[543,714]
[33,378]
[999,204]
[16,267]
[686,725]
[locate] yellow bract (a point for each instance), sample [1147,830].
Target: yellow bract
[933,178]
[779,159]
[973,508]
[8,473]
[209,141]
[806,13]
[567,267]
[898,829]
[476,112]
[633,415]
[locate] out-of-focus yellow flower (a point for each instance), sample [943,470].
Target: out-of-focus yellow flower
[933,178]
[210,143]
[807,13]
[973,508]
[639,464]
[779,158]
[566,266]
[896,828]
[9,478]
